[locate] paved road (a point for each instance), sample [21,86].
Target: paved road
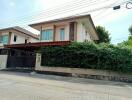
[19,86]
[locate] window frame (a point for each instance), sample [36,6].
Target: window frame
[15,38]
[4,40]
[48,35]
[62,36]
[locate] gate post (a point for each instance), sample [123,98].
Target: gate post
[3,61]
[38,61]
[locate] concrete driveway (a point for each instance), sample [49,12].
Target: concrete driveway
[23,86]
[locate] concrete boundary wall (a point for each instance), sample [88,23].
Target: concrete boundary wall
[85,73]
[3,61]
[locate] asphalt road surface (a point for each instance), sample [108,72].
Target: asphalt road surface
[24,86]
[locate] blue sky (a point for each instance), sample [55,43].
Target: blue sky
[119,27]
[116,23]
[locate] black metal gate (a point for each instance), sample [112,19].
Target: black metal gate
[22,62]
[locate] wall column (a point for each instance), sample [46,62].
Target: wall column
[9,39]
[41,33]
[73,31]
[54,33]
[38,61]
[3,61]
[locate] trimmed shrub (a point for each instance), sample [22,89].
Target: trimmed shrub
[88,55]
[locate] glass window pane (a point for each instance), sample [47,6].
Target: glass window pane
[62,34]
[47,34]
[5,39]
[15,38]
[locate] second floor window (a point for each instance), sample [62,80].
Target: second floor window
[62,34]
[15,38]
[47,35]
[4,39]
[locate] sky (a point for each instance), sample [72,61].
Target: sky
[24,12]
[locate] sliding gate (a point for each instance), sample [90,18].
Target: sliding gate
[22,62]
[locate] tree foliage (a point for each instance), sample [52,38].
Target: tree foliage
[88,55]
[103,35]
[130,30]
[128,43]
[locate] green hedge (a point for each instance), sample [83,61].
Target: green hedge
[88,55]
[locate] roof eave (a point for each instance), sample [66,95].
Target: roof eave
[94,27]
[12,28]
[57,20]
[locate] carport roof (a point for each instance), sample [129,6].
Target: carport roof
[37,45]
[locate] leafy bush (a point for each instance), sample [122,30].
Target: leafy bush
[88,55]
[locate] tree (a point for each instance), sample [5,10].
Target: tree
[130,30]
[128,42]
[103,35]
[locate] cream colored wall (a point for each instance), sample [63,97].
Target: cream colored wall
[32,40]
[20,39]
[81,33]
[5,33]
[45,27]
[57,33]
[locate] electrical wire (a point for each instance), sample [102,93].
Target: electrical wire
[64,7]
[23,21]
[57,13]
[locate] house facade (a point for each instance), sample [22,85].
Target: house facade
[16,35]
[58,32]
[74,28]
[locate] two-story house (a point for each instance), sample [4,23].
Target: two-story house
[74,28]
[56,32]
[16,35]
[62,31]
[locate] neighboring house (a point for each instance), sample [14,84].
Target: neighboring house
[16,35]
[74,28]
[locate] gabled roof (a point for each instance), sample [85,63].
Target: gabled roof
[22,30]
[61,19]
